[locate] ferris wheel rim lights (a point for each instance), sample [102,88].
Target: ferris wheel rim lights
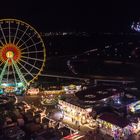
[22,48]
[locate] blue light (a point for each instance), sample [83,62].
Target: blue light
[135,26]
[118,102]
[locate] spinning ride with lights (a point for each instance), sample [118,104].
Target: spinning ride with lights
[22,55]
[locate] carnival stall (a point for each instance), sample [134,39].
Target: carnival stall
[117,127]
[70,89]
[56,92]
[78,115]
[33,91]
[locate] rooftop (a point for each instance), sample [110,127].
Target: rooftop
[114,119]
[97,93]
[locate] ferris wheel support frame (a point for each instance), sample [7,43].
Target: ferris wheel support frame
[19,73]
[3,71]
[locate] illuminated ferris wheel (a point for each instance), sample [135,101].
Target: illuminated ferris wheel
[22,52]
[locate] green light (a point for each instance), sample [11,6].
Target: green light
[20,84]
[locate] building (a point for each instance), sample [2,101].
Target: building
[77,114]
[117,126]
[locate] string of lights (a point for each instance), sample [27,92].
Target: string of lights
[45,34]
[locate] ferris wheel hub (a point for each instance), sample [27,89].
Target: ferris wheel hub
[10,54]
[10,51]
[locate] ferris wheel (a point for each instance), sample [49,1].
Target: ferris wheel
[22,52]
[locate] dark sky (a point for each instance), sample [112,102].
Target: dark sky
[67,16]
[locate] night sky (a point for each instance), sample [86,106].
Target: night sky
[71,16]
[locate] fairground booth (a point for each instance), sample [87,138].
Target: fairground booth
[116,126]
[32,91]
[76,114]
[70,89]
[98,95]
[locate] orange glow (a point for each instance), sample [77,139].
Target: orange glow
[9,51]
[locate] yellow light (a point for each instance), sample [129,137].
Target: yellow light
[9,54]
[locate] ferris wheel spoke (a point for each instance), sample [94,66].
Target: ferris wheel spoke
[36,59]
[3,71]
[21,77]
[15,36]
[22,35]
[27,40]
[25,69]
[32,52]
[1,43]
[31,45]
[3,34]
[14,74]
[8,73]
[9,32]
[30,64]
[1,63]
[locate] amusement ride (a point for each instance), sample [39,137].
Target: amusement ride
[22,55]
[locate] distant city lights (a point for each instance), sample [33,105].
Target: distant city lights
[63,33]
[135,26]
